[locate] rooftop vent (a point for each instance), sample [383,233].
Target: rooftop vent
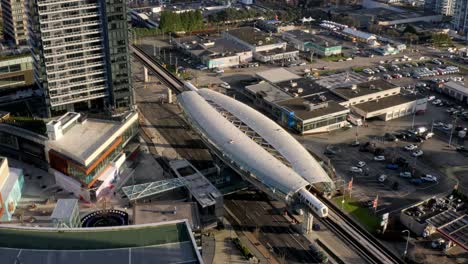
[260,43]
[322,98]
[293,84]
[353,87]
[300,90]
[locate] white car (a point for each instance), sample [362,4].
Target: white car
[355,169]
[436,102]
[411,147]
[225,85]
[447,127]
[361,164]
[382,178]
[429,178]
[379,158]
[405,174]
[439,124]
[430,98]
[417,153]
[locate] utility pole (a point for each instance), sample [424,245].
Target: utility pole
[407,241]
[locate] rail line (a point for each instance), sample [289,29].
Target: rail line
[365,244]
[157,68]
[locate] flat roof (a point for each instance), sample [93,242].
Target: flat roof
[200,187]
[342,79]
[309,37]
[457,87]
[364,88]
[297,105]
[170,242]
[385,14]
[276,51]
[253,36]
[385,102]
[456,230]
[308,86]
[268,92]
[84,141]
[277,75]
[64,208]
[160,211]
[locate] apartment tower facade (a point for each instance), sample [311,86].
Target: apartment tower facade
[80,54]
[14,22]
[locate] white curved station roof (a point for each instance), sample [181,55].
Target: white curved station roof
[253,141]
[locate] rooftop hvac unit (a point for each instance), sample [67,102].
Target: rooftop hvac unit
[372,87]
[260,42]
[322,98]
[295,95]
[293,84]
[353,87]
[300,90]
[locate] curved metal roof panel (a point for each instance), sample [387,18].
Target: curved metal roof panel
[300,160]
[238,146]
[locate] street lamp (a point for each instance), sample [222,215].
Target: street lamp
[407,241]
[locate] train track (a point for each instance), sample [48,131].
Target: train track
[365,244]
[159,70]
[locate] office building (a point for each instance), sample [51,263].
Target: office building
[14,22]
[460,17]
[443,7]
[80,52]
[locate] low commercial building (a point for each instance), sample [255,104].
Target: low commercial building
[359,36]
[380,99]
[81,149]
[214,52]
[307,42]
[446,216]
[456,90]
[11,185]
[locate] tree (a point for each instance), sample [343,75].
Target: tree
[441,39]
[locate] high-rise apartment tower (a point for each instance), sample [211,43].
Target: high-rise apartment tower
[14,22]
[80,53]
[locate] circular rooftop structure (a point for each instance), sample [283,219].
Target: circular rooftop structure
[103,218]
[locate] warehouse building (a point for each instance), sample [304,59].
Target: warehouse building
[456,90]
[307,42]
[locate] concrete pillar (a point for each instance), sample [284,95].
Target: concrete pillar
[169,96]
[146,74]
[308,222]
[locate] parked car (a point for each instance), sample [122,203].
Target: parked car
[355,169]
[379,158]
[417,153]
[436,102]
[447,127]
[405,174]
[416,181]
[392,166]
[225,85]
[361,164]
[429,178]
[430,98]
[382,178]
[411,147]
[390,137]
[355,143]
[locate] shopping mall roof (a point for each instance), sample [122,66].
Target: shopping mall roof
[98,134]
[170,242]
[252,140]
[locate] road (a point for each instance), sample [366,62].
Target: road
[255,211]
